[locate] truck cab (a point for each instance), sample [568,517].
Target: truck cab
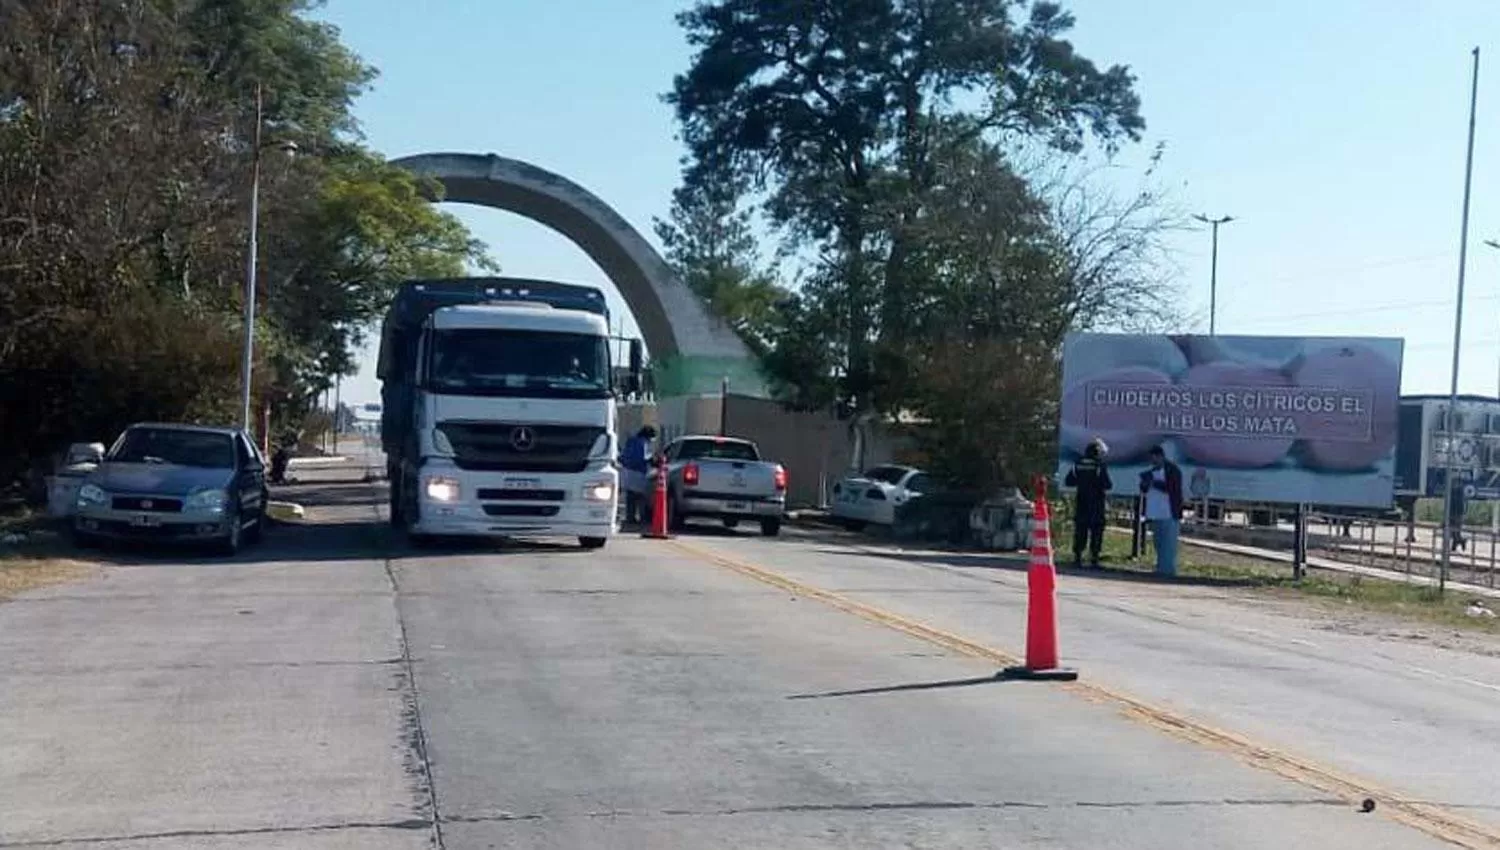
[499,411]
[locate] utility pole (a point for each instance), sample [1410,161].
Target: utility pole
[1495,504]
[1458,329]
[1496,245]
[1213,269]
[247,354]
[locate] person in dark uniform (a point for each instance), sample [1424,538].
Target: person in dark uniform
[1091,478]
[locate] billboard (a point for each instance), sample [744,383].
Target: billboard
[1266,419]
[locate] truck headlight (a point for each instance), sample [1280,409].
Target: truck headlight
[441,444]
[599,491]
[206,500]
[440,488]
[92,494]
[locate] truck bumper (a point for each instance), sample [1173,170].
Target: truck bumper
[731,508]
[518,505]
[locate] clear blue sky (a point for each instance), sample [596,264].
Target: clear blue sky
[1333,131]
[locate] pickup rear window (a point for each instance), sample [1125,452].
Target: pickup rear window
[717,450]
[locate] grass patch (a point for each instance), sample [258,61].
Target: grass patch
[20,573]
[1330,590]
[41,559]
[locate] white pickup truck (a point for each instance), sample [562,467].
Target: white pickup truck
[724,478]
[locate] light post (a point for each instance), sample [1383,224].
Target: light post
[1213,269]
[1496,245]
[1495,505]
[247,355]
[1458,329]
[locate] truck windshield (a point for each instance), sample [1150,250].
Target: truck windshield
[518,363]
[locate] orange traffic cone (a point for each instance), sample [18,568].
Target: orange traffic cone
[1041,605]
[658,529]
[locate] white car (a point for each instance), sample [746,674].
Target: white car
[874,495]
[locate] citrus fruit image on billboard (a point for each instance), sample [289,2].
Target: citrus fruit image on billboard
[1274,419]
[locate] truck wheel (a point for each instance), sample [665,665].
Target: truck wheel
[731,522]
[593,542]
[675,520]
[395,503]
[770,526]
[410,512]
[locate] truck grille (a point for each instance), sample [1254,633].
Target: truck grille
[514,495]
[521,510]
[520,446]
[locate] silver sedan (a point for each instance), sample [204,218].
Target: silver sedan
[175,483]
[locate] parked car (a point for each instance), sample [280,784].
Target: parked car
[874,495]
[725,479]
[179,483]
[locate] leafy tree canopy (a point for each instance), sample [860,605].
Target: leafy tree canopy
[126,150]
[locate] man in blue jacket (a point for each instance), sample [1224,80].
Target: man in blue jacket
[635,474]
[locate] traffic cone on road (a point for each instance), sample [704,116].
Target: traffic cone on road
[658,529]
[1041,604]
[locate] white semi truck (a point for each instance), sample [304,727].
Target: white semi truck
[498,414]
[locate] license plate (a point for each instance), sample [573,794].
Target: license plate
[521,483]
[145,521]
[738,507]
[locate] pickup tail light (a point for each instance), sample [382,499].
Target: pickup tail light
[690,475]
[780,478]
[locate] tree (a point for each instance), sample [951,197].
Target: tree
[710,245]
[338,261]
[125,156]
[834,107]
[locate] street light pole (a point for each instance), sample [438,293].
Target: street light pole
[1213,271]
[1495,504]
[1458,329]
[1496,245]
[247,355]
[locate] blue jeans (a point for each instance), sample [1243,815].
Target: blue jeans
[1164,539]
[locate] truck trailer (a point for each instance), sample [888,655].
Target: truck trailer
[498,410]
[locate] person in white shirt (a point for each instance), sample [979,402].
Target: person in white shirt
[1162,487]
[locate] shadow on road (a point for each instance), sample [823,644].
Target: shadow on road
[915,686]
[323,541]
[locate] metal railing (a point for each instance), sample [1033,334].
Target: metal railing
[1401,546]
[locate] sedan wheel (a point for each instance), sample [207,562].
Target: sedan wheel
[232,542]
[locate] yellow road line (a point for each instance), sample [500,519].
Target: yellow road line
[1431,819]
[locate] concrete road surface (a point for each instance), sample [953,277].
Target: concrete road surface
[315,693]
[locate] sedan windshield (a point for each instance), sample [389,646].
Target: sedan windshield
[175,446]
[886,474]
[519,363]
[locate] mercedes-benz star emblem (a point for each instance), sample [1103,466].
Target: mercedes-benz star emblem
[522,439]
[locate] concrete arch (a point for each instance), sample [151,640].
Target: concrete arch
[691,350]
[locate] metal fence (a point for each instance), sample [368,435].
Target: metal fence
[1401,546]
